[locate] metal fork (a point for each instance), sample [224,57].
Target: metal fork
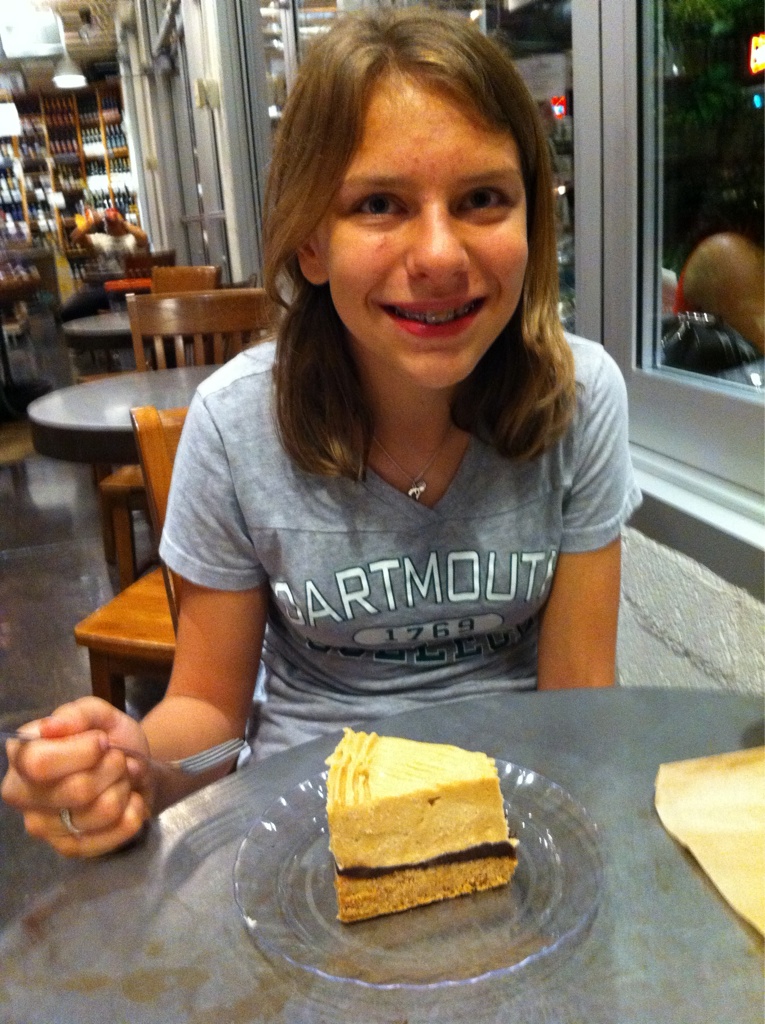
[195,764]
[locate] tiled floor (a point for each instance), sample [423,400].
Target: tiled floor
[52,569]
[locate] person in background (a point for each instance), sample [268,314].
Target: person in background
[110,245]
[119,236]
[419,492]
[725,276]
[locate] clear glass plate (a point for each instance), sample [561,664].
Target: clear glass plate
[283,882]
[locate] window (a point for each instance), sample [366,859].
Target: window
[538,37]
[698,438]
[702,122]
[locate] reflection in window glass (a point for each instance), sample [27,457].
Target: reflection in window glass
[537,34]
[314,18]
[707,172]
[275,23]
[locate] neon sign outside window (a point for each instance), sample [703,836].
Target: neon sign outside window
[560,107]
[757,53]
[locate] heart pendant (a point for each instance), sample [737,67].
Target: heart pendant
[416,490]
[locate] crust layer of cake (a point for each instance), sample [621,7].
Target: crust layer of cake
[389,893]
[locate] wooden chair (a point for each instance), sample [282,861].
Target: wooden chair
[134,633]
[184,279]
[121,490]
[140,263]
[157,433]
[227,321]
[120,493]
[197,328]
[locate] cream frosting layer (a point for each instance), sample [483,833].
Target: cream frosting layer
[393,802]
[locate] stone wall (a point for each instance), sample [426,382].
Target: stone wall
[680,625]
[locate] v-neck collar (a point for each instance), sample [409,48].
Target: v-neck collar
[450,500]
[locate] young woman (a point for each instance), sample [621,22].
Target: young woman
[420,496]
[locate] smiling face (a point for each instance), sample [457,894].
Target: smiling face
[424,246]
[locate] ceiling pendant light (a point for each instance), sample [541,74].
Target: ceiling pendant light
[68,75]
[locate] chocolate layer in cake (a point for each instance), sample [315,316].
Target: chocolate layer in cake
[473,853]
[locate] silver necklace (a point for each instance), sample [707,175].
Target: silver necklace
[417,484]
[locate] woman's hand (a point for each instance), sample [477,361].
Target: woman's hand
[71,766]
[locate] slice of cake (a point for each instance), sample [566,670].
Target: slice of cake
[411,823]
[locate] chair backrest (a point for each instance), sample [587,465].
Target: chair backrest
[157,433]
[184,279]
[139,264]
[198,328]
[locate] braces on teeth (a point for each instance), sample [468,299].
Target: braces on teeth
[436,318]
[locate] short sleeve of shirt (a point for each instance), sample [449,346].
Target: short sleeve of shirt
[205,538]
[602,492]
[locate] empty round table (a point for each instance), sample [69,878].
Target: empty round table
[101,332]
[91,422]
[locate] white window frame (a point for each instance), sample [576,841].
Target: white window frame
[697,445]
[588,169]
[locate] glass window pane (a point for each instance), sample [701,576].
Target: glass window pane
[538,36]
[277,26]
[705,170]
[314,18]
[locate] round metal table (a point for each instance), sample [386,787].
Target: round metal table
[100,331]
[154,934]
[91,422]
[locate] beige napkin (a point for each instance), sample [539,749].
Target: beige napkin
[716,807]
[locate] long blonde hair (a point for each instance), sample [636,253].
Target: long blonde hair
[520,396]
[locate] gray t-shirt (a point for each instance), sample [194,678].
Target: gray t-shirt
[379,603]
